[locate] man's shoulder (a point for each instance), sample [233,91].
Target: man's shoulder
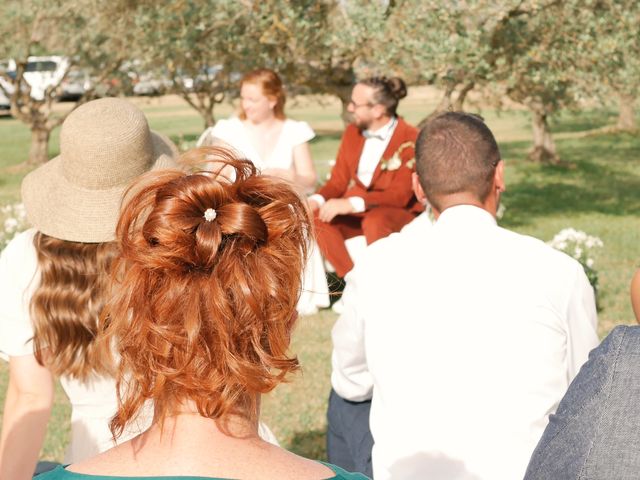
[536,251]
[406,129]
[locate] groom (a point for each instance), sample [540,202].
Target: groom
[369,192]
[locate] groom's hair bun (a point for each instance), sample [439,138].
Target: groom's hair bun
[387,91]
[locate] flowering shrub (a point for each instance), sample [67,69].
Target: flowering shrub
[580,246]
[14,221]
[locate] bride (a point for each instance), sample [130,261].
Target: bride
[277,146]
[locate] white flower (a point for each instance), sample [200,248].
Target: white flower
[10,224]
[589,262]
[392,164]
[14,220]
[395,162]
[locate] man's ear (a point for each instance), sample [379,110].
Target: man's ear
[417,189]
[378,110]
[498,177]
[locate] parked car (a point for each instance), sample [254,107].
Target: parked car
[151,84]
[8,71]
[44,72]
[6,90]
[213,73]
[74,85]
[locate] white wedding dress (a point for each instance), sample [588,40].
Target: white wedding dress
[315,292]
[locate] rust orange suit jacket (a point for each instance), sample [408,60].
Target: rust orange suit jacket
[391,188]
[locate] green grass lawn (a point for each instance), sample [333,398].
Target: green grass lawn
[596,189]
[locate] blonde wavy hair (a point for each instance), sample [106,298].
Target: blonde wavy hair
[67,303]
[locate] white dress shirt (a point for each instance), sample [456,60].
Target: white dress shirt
[467,336]
[376,142]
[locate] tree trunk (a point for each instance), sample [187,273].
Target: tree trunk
[207,115]
[458,104]
[544,148]
[443,106]
[343,92]
[344,113]
[39,149]
[626,114]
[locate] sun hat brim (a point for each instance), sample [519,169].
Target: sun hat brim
[62,210]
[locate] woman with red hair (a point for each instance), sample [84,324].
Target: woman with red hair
[200,315]
[276,145]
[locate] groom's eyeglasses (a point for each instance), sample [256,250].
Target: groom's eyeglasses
[355,105]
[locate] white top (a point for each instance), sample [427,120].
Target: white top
[94,402]
[233,132]
[376,142]
[468,336]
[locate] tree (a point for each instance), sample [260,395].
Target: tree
[538,63]
[613,66]
[537,53]
[198,44]
[314,45]
[452,45]
[78,29]
[441,43]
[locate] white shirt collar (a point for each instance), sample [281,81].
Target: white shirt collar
[467,214]
[383,132]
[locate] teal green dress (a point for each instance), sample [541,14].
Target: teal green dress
[60,473]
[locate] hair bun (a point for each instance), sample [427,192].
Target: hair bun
[398,87]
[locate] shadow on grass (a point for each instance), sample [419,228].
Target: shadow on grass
[326,136]
[312,444]
[599,174]
[582,121]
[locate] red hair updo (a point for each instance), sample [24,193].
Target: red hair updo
[205,289]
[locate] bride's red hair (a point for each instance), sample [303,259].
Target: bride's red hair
[202,308]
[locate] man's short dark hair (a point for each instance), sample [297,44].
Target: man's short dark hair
[456,153]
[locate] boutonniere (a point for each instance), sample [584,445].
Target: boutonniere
[395,162]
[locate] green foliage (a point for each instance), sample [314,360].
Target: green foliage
[95,43]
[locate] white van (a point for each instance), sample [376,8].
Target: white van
[44,72]
[6,91]
[8,69]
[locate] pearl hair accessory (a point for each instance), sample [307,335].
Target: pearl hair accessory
[210,214]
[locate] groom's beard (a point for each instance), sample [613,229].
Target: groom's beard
[362,125]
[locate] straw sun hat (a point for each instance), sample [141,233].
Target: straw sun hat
[104,145]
